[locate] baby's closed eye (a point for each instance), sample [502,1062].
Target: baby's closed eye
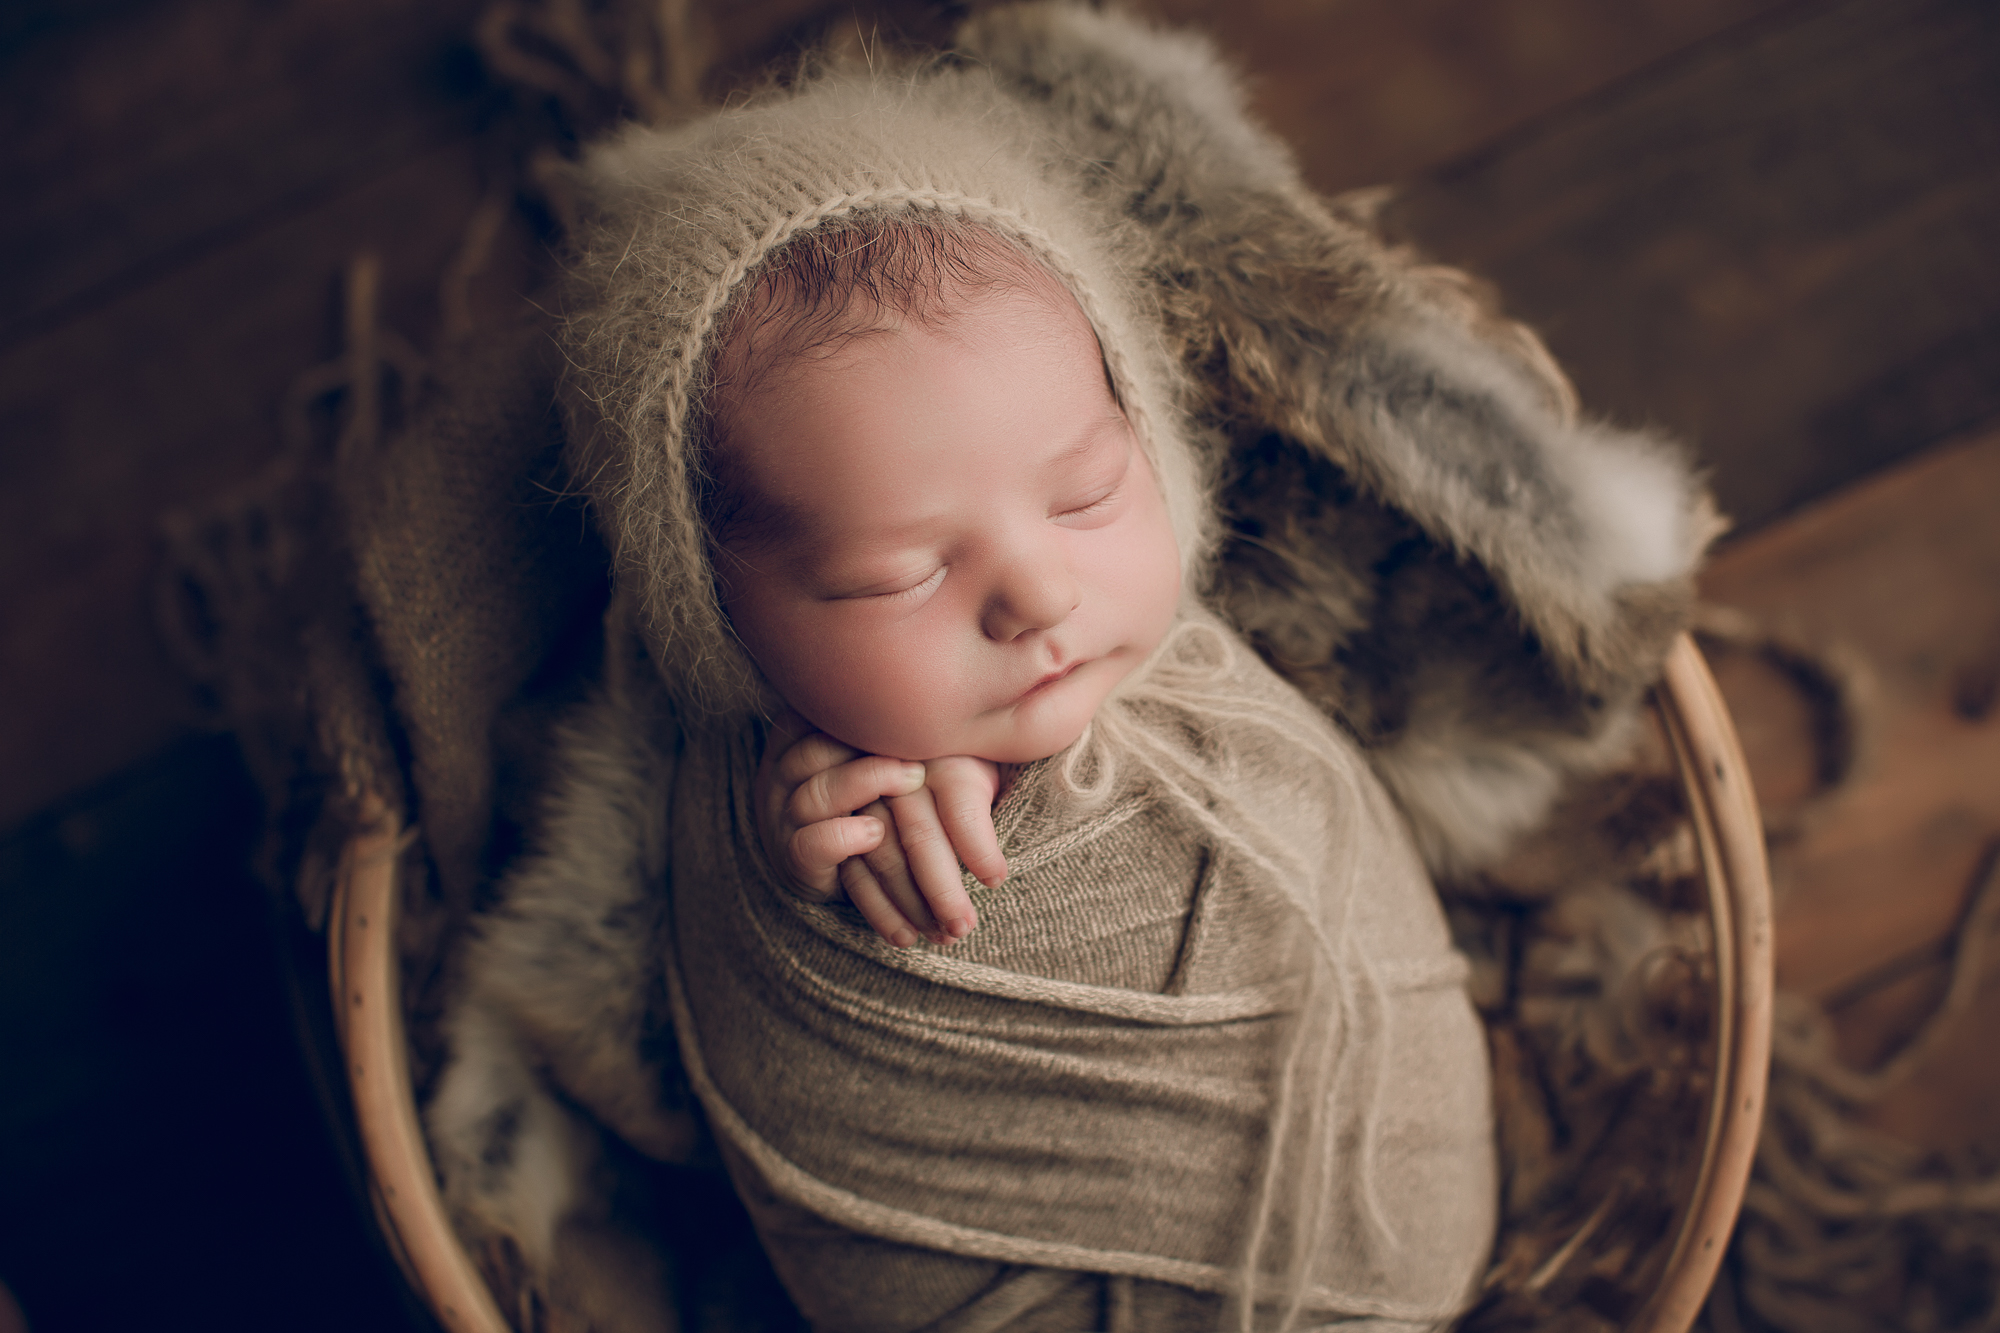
[915,590]
[908,585]
[1098,506]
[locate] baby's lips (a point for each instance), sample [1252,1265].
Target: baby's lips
[1052,677]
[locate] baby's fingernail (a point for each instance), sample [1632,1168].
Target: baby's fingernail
[958,927]
[903,938]
[913,775]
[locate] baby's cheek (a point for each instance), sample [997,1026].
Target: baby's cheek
[1144,572]
[924,696]
[885,692]
[804,657]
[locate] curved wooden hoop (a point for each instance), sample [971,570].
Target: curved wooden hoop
[1731,837]
[364,974]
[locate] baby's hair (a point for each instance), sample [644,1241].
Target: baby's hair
[818,294]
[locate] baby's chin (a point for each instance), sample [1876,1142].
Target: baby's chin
[1027,750]
[1017,734]
[1022,747]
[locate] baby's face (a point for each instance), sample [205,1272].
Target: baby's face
[972,551]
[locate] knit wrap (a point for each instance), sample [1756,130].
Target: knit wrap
[1212,1025]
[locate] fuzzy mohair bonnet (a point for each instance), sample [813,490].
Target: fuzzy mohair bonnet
[674,225]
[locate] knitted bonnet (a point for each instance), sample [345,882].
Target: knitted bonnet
[674,225]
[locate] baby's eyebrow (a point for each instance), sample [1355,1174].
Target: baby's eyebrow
[1086,442]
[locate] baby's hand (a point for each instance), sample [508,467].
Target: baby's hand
[890,833]
[948,820]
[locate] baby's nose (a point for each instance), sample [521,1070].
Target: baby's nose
[1032,596]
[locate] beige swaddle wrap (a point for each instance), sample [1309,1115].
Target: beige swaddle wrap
[1212,1019]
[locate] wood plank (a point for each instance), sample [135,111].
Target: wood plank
[162,132]
[1952,1103]
[1371,91]
[1900,574]
[1778,246]
[165,131]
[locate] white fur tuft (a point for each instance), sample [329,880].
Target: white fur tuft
[1468,794]
[1635,499]
[509,1154]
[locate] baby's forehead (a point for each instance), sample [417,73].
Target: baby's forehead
[824,300]
[782,383]
[853,305]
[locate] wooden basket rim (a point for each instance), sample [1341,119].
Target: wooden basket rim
[363,971]
[1730,834]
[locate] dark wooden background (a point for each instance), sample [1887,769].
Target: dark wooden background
[1765,226]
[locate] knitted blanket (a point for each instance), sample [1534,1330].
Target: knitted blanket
[1211,1022]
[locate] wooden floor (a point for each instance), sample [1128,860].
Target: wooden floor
[1763,225]
[1898,579]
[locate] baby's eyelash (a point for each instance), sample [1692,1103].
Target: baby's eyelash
[915,588]
[1091,508]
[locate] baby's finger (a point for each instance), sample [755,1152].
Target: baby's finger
[812,754]
[865,892]
[963,789]
[933,863]
[891,870]
[818,849]
[833,792]
[772,791]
